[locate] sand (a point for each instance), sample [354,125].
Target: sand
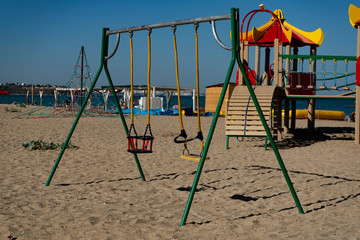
[97,192]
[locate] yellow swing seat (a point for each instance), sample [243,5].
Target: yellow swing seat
[193,157]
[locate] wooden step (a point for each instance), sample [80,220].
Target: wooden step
[248,133]
[241,117]
[246,101]
[248,127]
[242,121]
[269,90]
[246,97]
[248,113]
[248,108]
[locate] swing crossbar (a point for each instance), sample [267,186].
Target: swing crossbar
[169,24]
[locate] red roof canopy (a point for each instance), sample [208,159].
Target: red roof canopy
[278,28]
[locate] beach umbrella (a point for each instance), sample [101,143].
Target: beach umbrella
[2,92]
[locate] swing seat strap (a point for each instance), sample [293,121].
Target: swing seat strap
[147,136]
[182,137]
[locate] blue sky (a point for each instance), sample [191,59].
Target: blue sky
[40,40]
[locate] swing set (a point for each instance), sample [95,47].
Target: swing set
[148,138]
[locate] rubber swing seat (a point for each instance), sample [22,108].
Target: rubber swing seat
[147,141]
[193,157]
[139,151]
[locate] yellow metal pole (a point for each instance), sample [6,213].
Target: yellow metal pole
[131,79]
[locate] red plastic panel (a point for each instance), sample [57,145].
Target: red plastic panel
[358,71]
[303,79]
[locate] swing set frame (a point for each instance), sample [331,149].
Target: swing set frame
[235,58]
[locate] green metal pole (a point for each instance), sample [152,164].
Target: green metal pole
[81,109]
[234,17]
[122,117]
[268,133]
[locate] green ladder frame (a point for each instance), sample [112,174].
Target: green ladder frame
[103,64]
[236,58]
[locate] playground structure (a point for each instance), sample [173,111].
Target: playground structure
[292,82]
[236,48]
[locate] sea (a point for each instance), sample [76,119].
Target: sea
[97,100]
[345,105]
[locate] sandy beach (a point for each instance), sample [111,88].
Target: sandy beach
[97,192]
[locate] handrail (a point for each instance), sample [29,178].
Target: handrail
[116,47]
[217,38]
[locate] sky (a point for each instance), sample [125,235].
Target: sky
[40,40]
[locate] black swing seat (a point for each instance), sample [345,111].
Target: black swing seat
[146,147]
[147,140]
[138,151]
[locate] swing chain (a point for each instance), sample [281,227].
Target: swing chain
[196,26]
[132,128]
[185,149]
[148,128]
[149,31]
[173,28]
